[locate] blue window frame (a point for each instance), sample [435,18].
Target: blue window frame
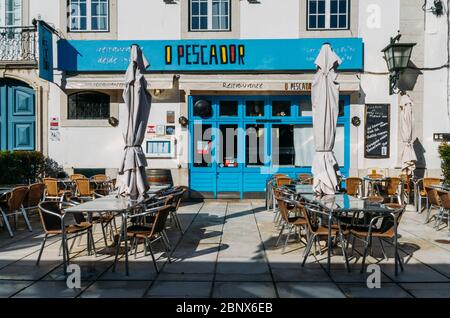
[328,14]
[257,115]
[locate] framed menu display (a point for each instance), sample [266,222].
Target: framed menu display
[377,131]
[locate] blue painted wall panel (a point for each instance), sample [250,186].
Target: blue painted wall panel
[208,55]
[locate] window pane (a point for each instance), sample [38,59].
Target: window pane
[224,8]
[343,6]
[88,105]
[195,23]
[228,108]
[305,107]
[254,108]
[195,8]
[283,153]
[215,8]
[339,145]
[281,108]
[312,21]
[228,146]
[334,21]
[204,23]
[202,145]
[321,21]
[304,145]
[312,6]
[254,145]
[216,22]
[321,6]
[204,8]
[83,23]
[224,23]
[343,21]
[334,6]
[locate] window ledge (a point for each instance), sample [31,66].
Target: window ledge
[85,123]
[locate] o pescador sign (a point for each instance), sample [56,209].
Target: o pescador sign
[208,55]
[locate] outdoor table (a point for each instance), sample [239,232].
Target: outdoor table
[441,188]
[339,204]
[111,203]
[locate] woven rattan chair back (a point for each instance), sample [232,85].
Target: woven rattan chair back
[353,185]
[34,195]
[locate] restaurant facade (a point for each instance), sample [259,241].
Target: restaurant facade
[231,86]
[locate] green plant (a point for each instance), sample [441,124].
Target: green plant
[24,167]
[444,153]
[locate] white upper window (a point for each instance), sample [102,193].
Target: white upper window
[10,13]
[89,15]
[328,14]
[209,15]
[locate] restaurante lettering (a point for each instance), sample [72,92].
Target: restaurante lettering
[197,54]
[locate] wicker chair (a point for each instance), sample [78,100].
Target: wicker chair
[318,232]
[445,209]
[84,191]
[305,178]
[149,233]
[76,176]
[422,192]
[291,222]
[52,214]
[34,196]
[281,181]
[393,189]
[434,202]
[353,186]
[52,190]
[13,207]
[375,199]
[379,226]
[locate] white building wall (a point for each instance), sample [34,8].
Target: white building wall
[47,10]
[378,21]
[270,19]
[148,20]
[435,114]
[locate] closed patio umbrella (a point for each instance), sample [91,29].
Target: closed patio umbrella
[132,177]
[325,105]
[408,155]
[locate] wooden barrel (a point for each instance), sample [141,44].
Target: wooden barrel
[159,176]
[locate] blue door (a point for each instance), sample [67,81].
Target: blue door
[238,142]
[17,116]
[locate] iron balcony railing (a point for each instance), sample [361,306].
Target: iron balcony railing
[18,45]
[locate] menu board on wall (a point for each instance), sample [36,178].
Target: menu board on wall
[377,131]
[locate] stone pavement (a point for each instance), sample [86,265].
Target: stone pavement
[227,251]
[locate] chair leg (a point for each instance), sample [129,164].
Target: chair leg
[41,250]
[8,226]
[439,218]
[308,248]
[153,256]
[104,233]
[93,242]
[287,239]
[177,222]
[117,250]
[136,243]
[382,249]
[353,244]
[428,216]
[279,236]
[366,249]
[27,221]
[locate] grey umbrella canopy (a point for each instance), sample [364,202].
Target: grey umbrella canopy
[133,180]
[325,104]
[408,155]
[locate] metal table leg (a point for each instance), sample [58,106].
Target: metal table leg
[125,236]
[329,244]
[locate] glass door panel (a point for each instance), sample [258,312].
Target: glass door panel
[203,146]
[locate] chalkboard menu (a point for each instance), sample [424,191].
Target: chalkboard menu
[377,131]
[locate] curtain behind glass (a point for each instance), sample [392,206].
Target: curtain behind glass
[303,145]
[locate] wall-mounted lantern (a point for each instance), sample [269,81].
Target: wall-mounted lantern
[397,56]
